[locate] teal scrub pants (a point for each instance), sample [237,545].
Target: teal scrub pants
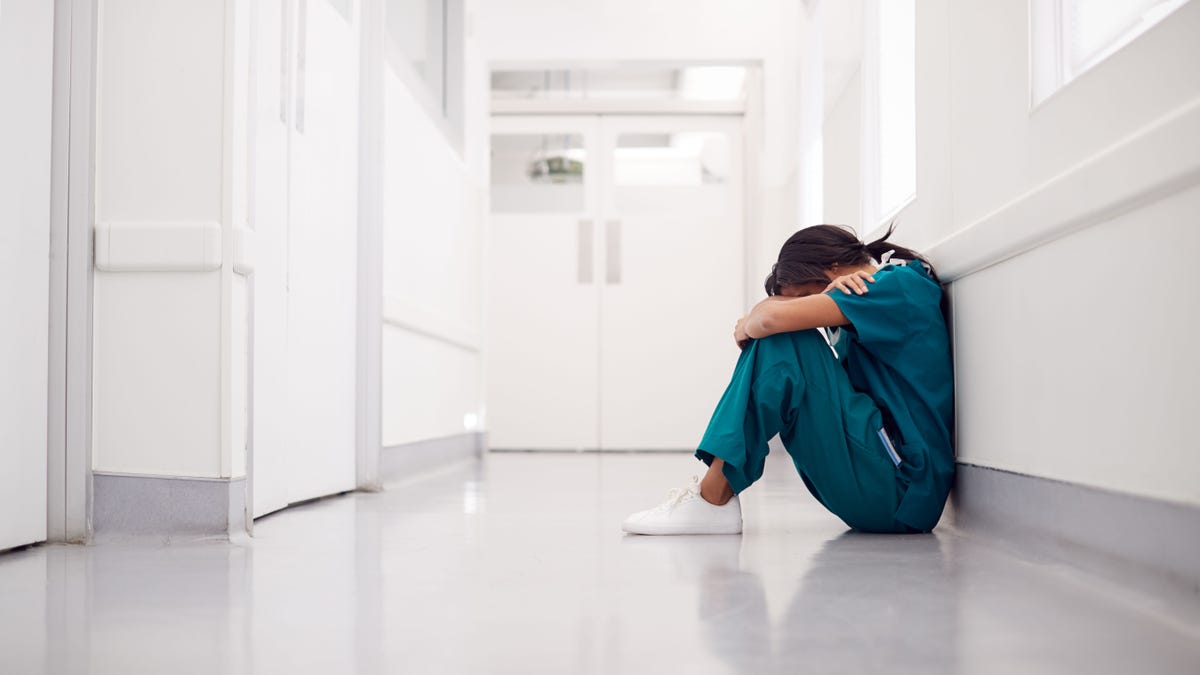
[792,385]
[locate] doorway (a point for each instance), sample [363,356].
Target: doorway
[615,277]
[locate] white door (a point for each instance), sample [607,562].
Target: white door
[615,258]
[673,282]
[323,251]
[271,119]
[305,136]
[543,328]
[26,52]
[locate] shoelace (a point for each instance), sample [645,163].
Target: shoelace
[677,496]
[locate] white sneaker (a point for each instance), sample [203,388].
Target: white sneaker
[686,512]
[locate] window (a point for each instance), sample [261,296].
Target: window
[679,159]
[1068,37]
[425,45]
[664,171]
[890,115]
[648,82]
[538,173]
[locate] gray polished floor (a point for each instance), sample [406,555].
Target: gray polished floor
[517,565]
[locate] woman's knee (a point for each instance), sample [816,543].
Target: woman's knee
[800,339]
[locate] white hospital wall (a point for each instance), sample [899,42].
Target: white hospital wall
[159,167]
[166,404]
[1077,361]
[841,150]
[561,34]
[1069,232]
[1099,386]
[434,192]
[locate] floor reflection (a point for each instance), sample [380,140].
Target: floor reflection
[861,603]
[522,569]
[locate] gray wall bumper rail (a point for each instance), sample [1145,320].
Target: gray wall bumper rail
[1127,532]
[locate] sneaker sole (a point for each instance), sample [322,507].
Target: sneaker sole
[668,531]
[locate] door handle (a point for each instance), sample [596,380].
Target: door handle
[612,257]
[583,248]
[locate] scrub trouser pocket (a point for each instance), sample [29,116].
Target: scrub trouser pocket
[792,385]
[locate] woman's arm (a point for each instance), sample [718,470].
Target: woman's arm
[780,314]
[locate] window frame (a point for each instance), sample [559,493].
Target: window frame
[1051,68]
[444,110]
[875,214]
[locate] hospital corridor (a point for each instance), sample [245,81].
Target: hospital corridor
[599,336]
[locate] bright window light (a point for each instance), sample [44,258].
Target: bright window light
[634,82]
[897,105]
[1068,37]
[896,110]
[684,158]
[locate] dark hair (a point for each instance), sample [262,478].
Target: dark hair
[806,255]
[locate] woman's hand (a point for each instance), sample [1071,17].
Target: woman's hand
[739,333]
[851,283]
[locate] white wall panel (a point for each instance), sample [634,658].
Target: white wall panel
[1076,361]
[842,161]
[429,386]
[160,103]
[157,390]
[431,277]
[1068,233]
[160,163]
[26,50]
[432,232]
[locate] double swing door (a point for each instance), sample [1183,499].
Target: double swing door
[615,277]
[304,210]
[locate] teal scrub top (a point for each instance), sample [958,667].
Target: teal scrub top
[897,351]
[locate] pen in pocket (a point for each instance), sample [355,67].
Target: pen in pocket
[887,444]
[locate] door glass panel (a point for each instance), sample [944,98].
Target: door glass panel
[537,173]
[660,171]
[686,158]
[687,83]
